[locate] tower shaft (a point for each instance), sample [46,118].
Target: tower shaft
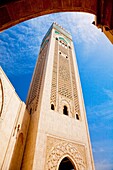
[58,131]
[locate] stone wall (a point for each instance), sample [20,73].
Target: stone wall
[14,122]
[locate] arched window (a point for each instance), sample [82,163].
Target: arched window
[66,164]
[65,110]
[52,107]
[77,116]
[30,111]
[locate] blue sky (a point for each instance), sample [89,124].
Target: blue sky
[19,47]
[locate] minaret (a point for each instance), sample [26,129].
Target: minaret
[58,136]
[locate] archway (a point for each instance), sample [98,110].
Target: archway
[30,9]
[66,164]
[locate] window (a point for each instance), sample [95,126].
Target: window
[52,107]
[65,111]
[30,111]
[77,116]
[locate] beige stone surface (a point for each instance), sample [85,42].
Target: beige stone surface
[14,121]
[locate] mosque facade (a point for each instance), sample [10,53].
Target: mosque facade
[50,131]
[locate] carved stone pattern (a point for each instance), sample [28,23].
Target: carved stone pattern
[63,49]
[54,76]
[37,78]
[75,93]
[64,82]
[66,77]
[57,150]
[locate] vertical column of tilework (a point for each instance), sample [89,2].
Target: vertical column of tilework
[54,76]
[37,79]
[75,93]
[64,82]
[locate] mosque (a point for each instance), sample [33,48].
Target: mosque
[50,131]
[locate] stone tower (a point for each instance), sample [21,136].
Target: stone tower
[58,136]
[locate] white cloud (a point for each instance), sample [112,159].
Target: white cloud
[100,119]
[109,93]
[103,110]
[103,154]
[103,165]
[26,37]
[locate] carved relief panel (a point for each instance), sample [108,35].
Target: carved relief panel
[57,149]
[64,85]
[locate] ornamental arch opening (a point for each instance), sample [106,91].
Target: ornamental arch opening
[67,164]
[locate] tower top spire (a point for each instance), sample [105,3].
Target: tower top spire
[54,23]
[61,29]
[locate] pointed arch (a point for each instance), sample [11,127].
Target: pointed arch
[62,150]
[65,110]
[52,106]
[68,162]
